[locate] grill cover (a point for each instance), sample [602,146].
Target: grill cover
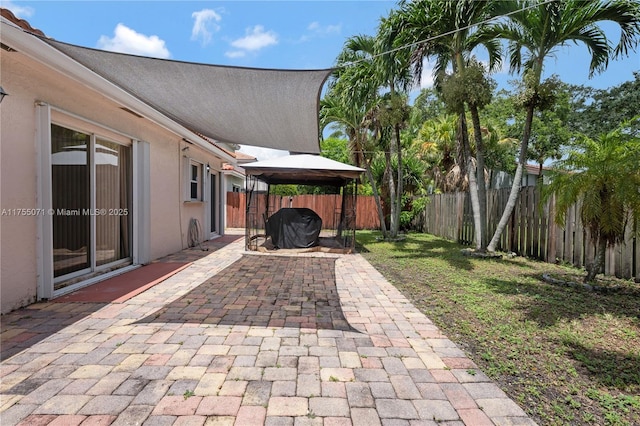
[294,228]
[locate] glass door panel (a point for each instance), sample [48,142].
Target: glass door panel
[71,199]
[113,202]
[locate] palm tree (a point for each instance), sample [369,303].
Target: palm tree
[534,34]
[436,144]
[427,26]
[603,175]
[351,95]
[367,68]
[393,70]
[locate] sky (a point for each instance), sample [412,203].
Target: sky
[294,34]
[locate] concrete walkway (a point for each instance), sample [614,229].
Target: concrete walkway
[246,339]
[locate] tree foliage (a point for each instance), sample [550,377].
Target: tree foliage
[367,95]
[596,111]
[602,175]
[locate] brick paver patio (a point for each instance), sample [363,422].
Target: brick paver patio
[246,339]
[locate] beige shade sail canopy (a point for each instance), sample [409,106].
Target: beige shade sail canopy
[260,107]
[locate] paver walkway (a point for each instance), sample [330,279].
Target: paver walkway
[246,339]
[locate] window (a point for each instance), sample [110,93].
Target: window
[194,190]
[236,188]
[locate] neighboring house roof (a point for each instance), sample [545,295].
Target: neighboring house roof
[534,169]
[303,169]
[243,158]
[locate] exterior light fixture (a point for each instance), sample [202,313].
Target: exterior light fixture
[2,94]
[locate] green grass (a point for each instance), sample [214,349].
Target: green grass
[567,355]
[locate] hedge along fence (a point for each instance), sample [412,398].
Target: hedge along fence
[531,230]
[327,206]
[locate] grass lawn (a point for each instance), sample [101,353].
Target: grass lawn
[567,355]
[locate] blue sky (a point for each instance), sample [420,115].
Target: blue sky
[264,34]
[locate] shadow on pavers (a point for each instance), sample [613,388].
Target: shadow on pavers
[267,291]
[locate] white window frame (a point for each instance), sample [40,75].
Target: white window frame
[190,163]
[46,116]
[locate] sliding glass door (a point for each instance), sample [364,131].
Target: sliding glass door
[91,202]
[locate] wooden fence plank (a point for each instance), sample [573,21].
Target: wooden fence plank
[551,226]
[560,255]
[578,247]
[636,250]
[531,242]
[568,235]
[521,215]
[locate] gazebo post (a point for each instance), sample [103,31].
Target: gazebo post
[247,203]
[265,216]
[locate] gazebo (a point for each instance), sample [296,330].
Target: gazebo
[272,222]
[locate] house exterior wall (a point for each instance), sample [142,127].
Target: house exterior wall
[18,233]
[232,181]
[500,179]
[29,83]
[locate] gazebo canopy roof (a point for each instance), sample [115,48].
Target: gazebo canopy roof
[260,107]
[303,169]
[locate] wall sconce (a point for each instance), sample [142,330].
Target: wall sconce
[208,168]
[2,94]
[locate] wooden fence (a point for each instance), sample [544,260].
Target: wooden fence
[531,230]
[326,206]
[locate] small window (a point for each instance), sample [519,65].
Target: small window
[236,188]
[194,182]
[194,190]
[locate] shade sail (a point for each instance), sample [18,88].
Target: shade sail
[302,169]
[261,107]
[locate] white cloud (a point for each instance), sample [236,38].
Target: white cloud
[206,23]
[235,54]
[426,78]
[256,38]
[126,40]
[21,12]
[316,28]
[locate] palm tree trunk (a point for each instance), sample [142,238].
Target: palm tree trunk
[393,226]
[471,173]
[399,183]
[376,198]
[517,181]
[482,187]
[595,267]
[359,152]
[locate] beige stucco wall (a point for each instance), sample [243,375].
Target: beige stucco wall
[17,190]
[28,82]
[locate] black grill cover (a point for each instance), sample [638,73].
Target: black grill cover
[294,228]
